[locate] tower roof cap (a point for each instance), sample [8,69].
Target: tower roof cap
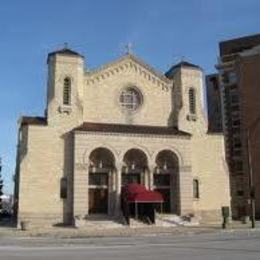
[182,64]
[65,51]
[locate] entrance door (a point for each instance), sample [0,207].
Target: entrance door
[162,184]
[98,193]
[98,198]
[166,206]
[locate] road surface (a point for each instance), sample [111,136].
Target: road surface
[225,245]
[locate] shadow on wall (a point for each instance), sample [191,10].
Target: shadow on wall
[66,182]
[176,105]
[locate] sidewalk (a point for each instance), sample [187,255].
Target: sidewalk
[70,232]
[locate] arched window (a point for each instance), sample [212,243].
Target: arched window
[192,101]
[67,91]
[196,191]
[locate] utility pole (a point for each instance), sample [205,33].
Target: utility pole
[251,182]
[249,135]
[1,186]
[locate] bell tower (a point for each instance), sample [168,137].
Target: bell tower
[188,114]
[65,86]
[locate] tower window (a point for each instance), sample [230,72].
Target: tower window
[192,101]
[67,91]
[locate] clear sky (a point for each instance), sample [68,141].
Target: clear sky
[161,31]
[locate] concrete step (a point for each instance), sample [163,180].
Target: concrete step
[172,220]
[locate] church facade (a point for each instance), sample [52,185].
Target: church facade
[121,123]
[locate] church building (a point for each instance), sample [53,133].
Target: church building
[124,122]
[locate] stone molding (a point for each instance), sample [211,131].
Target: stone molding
[132,134]
[130,64]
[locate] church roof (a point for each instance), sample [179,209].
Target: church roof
[182,64]
[135,129]
[65,51]
[32,120]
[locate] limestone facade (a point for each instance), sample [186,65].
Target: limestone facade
[55,153]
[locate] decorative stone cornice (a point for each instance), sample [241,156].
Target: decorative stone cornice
[132,135]
[128,63]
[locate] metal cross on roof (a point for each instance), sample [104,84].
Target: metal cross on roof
[129,48]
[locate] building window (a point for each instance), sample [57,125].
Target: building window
[63,188]
[67,91]
[130,99]
[161,179]
[98,178]
[196,192]
[240,193]
[192,101]
[232,77]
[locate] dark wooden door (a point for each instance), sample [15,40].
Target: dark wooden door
[166,193]
[98,200]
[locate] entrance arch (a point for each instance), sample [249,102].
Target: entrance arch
[135,165]
[102,164]
[166,178]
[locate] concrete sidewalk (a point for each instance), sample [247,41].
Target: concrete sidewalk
[71,232]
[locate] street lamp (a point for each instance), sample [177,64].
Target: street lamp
[251,176]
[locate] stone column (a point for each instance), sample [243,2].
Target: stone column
[151,168]
[80,190]
[185,190]
[112,192]
[118,189]
[145,177]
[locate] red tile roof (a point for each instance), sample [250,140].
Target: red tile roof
[138,129]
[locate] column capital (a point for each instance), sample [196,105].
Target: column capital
[119,165]
[81,166]
[151,166]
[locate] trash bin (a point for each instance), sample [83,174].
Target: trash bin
[24,225]
[225,216]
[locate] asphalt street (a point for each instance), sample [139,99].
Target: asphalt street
[225,245]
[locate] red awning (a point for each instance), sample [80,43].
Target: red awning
[138,193]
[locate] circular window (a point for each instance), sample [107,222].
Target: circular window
[130,99]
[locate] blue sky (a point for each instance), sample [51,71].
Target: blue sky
[161,31]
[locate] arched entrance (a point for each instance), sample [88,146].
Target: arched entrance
[102,163]
[135,165]
[165,180]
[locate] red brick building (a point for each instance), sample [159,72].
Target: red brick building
[239,74]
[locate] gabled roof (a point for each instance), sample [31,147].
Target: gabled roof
[182,64]
[65,51]
[135,129]
[134,59]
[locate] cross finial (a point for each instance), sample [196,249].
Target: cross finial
[183,58]
[66,45]
[129,48]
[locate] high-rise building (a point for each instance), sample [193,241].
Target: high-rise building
[239,78]
[214,103]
